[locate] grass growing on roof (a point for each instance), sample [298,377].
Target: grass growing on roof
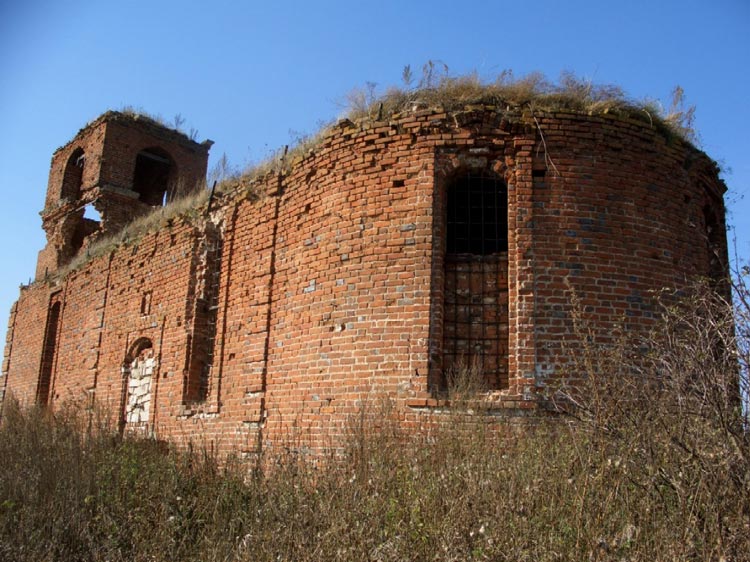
[182,207]
[532,92]
[436,89]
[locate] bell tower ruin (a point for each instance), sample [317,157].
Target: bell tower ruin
[117,168]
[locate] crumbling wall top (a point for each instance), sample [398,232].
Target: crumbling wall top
[143,122]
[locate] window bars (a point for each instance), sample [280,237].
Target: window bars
[475,328]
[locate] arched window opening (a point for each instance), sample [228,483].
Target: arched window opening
[138,369]
[73,176]
[152,177]
[49,351]
[475,327]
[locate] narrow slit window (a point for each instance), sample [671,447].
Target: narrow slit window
[713,233]
[139,368]
[146,303]
[49,351]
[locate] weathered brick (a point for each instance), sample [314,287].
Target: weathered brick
[333,290]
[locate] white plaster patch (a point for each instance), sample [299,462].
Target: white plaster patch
[138,406]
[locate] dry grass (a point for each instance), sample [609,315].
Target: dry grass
[440,91]
[435,90]
[650,463]
[185,208]
[533,92]
[176,125]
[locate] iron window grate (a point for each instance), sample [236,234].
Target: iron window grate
[475,329]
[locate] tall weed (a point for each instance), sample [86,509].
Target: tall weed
[647,461]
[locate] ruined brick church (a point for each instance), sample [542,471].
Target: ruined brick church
[370,266]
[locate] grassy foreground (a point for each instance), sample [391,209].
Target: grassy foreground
[650,461]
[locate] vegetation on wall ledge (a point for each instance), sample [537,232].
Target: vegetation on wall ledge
[534,92]
[436,89]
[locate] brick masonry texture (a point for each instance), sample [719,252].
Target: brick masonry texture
[274,316]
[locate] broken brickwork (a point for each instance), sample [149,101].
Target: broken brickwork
[370,267]
[117,168]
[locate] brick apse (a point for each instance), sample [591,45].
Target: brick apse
[369,266]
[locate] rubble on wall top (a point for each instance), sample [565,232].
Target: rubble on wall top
[449,103]
[151,124]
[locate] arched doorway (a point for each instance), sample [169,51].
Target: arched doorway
[138,369]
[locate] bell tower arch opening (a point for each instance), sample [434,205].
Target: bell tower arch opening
[73,176]
[116,169]
[154,176]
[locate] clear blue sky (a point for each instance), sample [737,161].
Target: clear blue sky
[252,76]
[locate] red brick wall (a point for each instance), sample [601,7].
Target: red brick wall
[92,144]
[125,138]
[23,351]
[350,312]
[330,283]
[619,218]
